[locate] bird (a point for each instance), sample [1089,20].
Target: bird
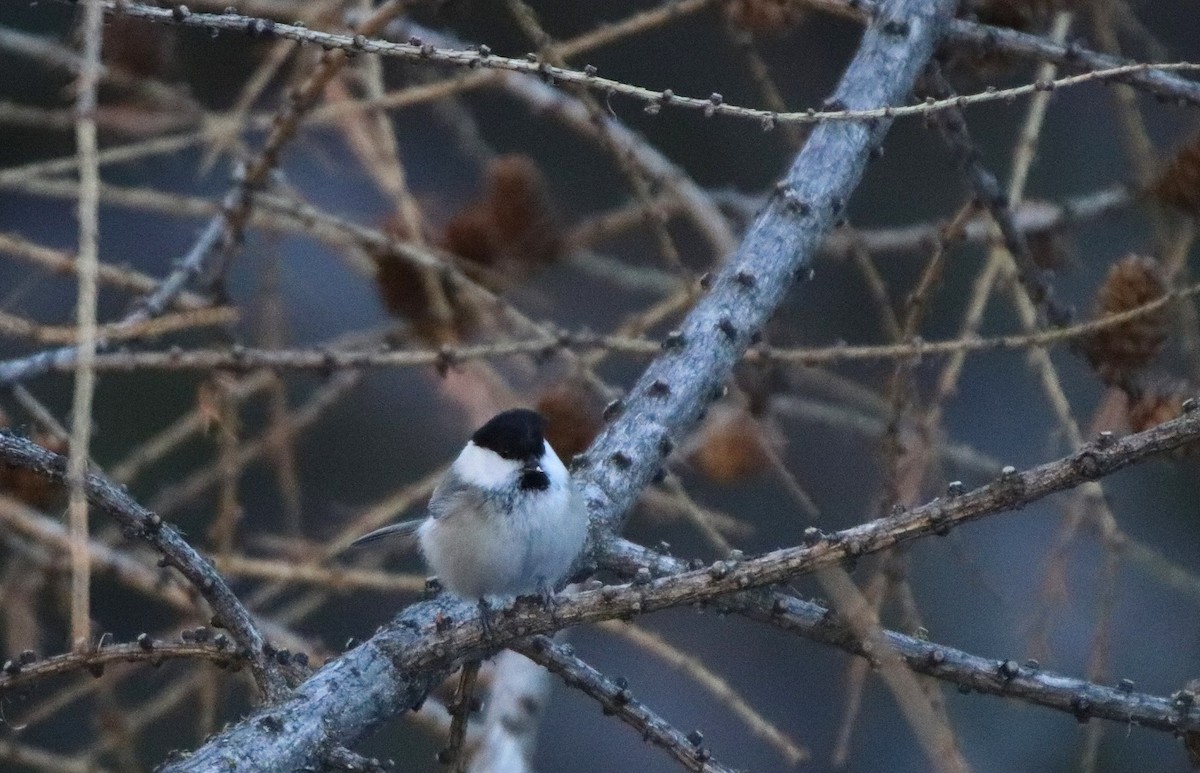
[506,520]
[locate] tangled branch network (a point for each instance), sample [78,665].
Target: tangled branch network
[309,718]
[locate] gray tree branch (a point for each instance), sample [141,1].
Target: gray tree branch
[616,698]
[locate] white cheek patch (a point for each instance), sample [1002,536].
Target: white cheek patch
[553,465]
[480,467]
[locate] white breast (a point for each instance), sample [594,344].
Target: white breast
[477,554]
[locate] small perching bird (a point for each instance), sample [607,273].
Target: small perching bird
[506,520]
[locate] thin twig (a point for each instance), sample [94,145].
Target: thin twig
[11,324]
[1098,660]
[85,318]
[283,451]
[299,102]
[953,125]
[1138,73]
[150,528]
[455,753]
[61,262]
[230,125]
[931,728]
[336,579]
[27,668]
[328,359]
[55,55]
[42,759]
[616,698]
[170,498]
[159,445]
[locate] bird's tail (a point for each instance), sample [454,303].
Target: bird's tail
[405,529]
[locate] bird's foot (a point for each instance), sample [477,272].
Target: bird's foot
[545,594]
[485,620]
[546,597]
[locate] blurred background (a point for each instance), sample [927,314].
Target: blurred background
[564,210]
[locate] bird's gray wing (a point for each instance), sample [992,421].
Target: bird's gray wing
[453,496]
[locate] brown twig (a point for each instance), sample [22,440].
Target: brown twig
[11,324]
[283,451]
[455,753]
[299,102]
[930,726]
[61,262]
[54,55]
[171,498]
[42,759]
[336,579]
[85,318]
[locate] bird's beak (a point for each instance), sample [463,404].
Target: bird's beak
[532,466]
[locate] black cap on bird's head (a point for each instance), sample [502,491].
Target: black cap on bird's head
[515,434]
